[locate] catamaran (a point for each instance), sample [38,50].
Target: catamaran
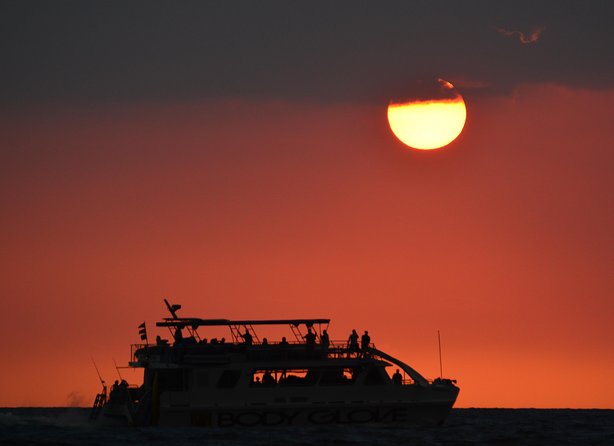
[249,381]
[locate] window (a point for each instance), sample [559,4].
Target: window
[170,379]
[284,378]
[374,377]
[228,379]
[337,376]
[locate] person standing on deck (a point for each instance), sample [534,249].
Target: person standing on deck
[353,343]
[397,379]
[365,340]
[178,335]
[325,341]
[247,337]
[310,339]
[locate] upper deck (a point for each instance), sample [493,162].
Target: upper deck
[310,345]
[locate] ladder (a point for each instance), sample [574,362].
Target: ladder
[237,336]
[99,403]
[297,333]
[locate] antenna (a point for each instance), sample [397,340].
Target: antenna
[98,372]
[440,363]
[117,370]
[172,308]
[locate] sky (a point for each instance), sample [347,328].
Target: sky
[235,157]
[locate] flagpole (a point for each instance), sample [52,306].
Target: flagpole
[143,333]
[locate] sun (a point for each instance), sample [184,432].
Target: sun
[428,124]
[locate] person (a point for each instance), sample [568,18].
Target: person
[365,340]
[267,379]
[178,335]
[247,337]
[113,396]
[353,342]
[397,379]
[283,342]
[310,338]
[324,339]
[265,341]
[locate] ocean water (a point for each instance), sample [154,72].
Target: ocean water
[70,426]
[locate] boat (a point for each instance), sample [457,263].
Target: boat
[248,381]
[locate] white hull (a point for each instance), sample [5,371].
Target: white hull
[314,415]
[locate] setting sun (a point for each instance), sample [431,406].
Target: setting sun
[428,124]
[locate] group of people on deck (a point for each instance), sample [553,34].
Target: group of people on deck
[353,346]
[119,391]
[360,349]
[363,348]
[310,339]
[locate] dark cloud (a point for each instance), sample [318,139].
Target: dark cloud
[308,51]
[426,90]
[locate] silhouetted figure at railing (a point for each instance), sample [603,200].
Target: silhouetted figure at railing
[119,392]
[397,379]
[310,339]
[267,379]
[283,341]
[353,343]
[324,339]
[365,340]
[247,337]
[178,335]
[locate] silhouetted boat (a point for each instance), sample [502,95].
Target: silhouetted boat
[249,382]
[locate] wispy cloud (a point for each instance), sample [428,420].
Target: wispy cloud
[523,38]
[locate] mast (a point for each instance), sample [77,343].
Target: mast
[104,386]
[117,370]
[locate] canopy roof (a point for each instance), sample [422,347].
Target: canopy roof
[197,322]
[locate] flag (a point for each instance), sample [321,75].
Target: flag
[143,332]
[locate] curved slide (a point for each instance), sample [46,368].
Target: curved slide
[417,377]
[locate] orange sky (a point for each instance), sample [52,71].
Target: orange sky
[247,209]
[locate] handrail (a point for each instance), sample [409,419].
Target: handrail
[417,377]
[337,349]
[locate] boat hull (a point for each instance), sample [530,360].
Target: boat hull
[422,414]
[424,406]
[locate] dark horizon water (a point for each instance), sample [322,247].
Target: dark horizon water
[70,426]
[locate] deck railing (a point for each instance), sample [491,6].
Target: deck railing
[336,349]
